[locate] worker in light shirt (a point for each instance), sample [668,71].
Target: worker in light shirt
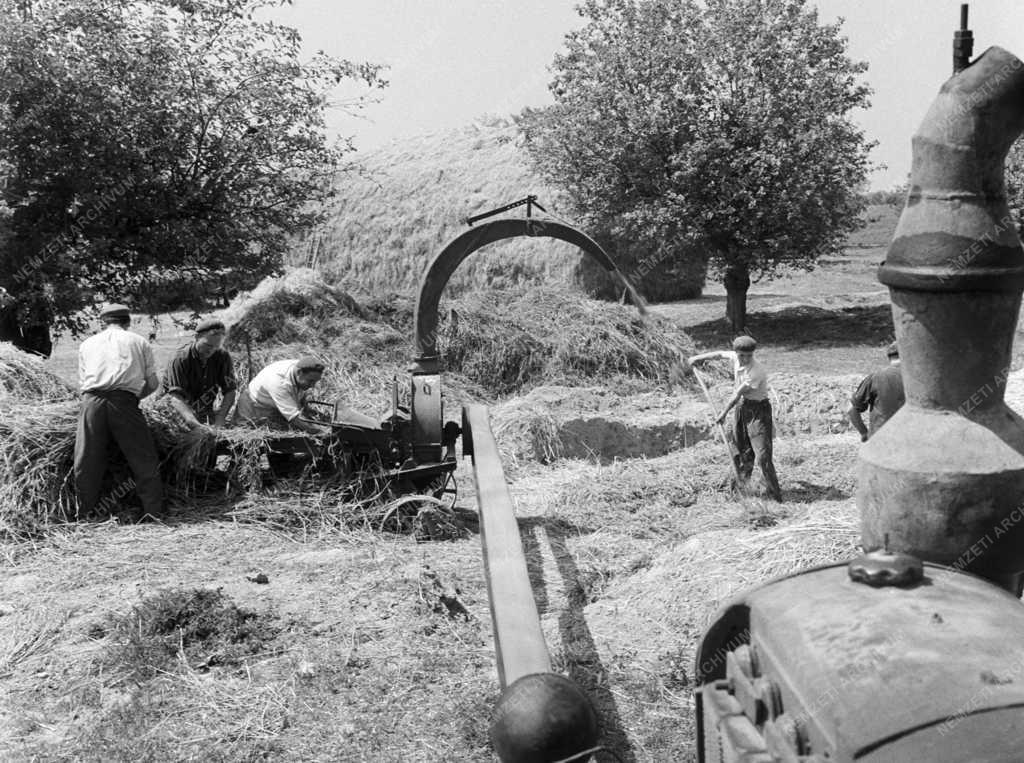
[276,396]
[754,427]
[116,369]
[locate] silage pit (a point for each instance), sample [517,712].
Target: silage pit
[592,423]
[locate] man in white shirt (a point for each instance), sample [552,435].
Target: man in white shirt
[115,370]
[753,425]
[276,397]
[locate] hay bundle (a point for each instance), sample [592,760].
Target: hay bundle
[24,378]
[37,445]
[37,448]
[509,340]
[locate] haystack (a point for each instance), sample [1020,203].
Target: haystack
[509,341]
[298,306]
[24,378]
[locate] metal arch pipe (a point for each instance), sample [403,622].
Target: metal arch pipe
[444,264]
[540,715]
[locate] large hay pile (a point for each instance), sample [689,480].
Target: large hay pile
[24,378]
[507,341]
[296,307]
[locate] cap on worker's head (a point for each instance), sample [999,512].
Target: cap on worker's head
[309,363]
[744,344]
[114,312]
[210,324]
[893,350]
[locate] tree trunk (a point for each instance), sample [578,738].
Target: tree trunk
[737,281]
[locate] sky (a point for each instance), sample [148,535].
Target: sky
[453,61]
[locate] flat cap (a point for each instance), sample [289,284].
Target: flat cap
[744,344]
[210,324]
[114,311]
[309,363]
[893,350]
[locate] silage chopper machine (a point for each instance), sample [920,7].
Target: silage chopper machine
[413,450]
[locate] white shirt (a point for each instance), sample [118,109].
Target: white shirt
[116,359]
[752,380]
[274,388]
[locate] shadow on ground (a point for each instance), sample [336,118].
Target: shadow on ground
[582,660]
[805,492]
[805,326]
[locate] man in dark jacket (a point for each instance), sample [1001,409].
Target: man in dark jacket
[199,373]
[881,392]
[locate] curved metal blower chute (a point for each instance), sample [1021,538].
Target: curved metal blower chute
[900,655]
[541,715]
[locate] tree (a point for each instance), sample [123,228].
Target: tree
[150,140]
[719,127]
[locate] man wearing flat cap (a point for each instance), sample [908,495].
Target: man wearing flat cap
[881,392]
[115,370]
[276,397]
[199,373]
[754,427]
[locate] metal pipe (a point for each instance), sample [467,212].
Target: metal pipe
[944,478]
[518,638]
[541,716]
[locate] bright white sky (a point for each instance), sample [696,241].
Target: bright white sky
[454,60]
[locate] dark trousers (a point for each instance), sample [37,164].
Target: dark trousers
[754,431]
[116,416]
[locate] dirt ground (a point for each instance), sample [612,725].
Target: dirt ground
[376,647]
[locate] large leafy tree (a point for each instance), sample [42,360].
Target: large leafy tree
[141,141]
[717,130]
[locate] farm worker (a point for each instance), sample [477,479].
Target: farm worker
[881,391]
[198,373]
[753,423]
[115,370]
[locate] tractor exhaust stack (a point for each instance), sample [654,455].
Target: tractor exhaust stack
[944,479]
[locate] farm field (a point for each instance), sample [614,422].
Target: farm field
[314,639]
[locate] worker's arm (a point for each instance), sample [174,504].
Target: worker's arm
[858,423]
[713,355]
[228,400]
[309,426]
[178,403]
[729,405]
[862,399]
[149,371]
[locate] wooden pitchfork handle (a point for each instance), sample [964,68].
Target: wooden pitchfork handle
[721,428]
